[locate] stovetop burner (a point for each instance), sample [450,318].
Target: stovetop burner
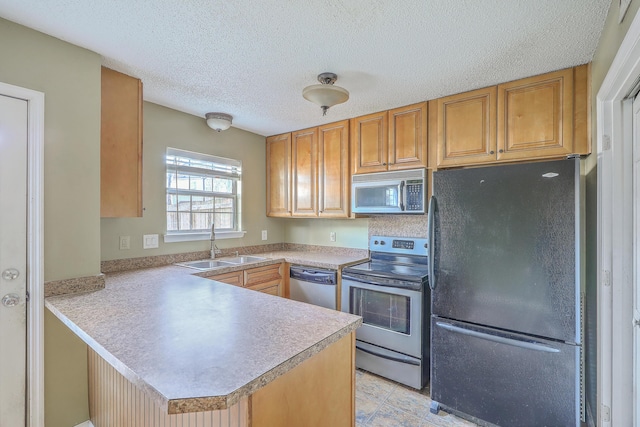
[396,258]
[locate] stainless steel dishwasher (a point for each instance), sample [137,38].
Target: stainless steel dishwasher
[313,286]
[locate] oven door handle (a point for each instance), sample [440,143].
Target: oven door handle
[407,360]
[431,227]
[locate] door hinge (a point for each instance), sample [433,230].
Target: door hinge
[27,296]
[606,143]
[606,414]
[636,319]
[606,278]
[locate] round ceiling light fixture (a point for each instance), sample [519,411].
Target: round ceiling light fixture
[218,121]
[326,94]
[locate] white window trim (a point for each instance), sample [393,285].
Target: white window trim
[191,237]
[186,236]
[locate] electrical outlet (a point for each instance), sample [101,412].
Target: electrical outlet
[264,234]
[332,236]
[149,241]
[125,243]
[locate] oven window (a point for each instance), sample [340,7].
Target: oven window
[381,309]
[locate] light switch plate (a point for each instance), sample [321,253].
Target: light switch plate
[332,236]
[264,234]
[149,241]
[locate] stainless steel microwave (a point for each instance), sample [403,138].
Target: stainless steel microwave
[397,192]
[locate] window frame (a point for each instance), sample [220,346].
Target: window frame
[228,169]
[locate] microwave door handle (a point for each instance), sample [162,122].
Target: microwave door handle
[402,196]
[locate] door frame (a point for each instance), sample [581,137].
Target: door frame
[35,250]
[615,241]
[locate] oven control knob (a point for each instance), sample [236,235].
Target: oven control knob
[382,242]
[375,242]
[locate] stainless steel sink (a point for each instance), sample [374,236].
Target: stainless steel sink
[244,259]
[206,264]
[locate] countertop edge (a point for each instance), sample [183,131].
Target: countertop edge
[206,403]
[187,405]
[123,369]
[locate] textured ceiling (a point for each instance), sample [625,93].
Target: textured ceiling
[252,58]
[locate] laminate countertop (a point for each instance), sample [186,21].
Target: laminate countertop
[195,344]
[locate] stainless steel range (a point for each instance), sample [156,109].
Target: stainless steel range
[391,293]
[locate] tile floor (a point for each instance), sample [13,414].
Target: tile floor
[384,403]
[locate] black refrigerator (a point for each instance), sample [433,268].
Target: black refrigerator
[506,323]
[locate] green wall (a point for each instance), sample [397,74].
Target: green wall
[164,127]
[69,77]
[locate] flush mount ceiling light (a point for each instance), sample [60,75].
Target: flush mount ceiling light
[218,121]
[325,94]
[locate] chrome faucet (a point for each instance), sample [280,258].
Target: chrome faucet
[214,248]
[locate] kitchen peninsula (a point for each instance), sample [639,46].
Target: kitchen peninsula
[169,348]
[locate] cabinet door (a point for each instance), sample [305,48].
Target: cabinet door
[304,186]
[333,170]
[279,175]
[369,143]
[535,117]
[408,137]
[120,145]
[234,278]
[463,128]
[261,278]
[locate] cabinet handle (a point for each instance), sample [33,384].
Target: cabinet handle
[384,164]
[491,152]
[501,151]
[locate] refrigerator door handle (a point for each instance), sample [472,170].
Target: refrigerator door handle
[502,340]
[432,241]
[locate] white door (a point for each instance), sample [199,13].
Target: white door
[13,253]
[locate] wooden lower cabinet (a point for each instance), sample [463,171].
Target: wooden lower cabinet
[268,279]
[234,278]
[318,392]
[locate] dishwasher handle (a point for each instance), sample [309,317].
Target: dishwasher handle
[326,277]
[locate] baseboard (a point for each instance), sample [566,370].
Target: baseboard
[85,424]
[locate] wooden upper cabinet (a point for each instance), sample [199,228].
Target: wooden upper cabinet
[304,156]
[546,116]
[408,137]
[279,175]
[370,143]
[535,117]
[120,145]
[463,128]
[333,170]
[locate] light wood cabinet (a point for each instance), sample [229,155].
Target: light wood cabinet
[539,117]
[334,185]
[535,117]
[120,145]
[390,140]
[235,278]
[268,279]
[318,392]
[304,173]
[463,128]
[317,175]
[370,143]
[279,175]
[408,137]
